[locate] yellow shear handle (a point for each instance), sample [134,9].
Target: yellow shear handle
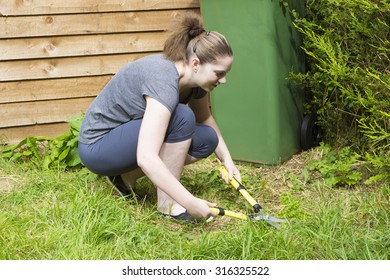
[222,212]
[239,187]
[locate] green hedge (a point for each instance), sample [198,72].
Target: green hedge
[347,46]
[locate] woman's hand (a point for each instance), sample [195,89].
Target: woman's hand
[199,208]
[233,172]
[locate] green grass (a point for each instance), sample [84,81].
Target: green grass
[52,214]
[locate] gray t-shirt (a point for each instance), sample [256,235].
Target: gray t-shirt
[122,99]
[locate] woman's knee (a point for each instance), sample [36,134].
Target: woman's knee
[182,124]
[204,141]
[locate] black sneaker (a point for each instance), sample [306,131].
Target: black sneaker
[184,217]
[119,185]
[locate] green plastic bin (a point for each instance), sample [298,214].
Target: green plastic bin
[259,110]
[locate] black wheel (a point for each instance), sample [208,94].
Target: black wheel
[311,133]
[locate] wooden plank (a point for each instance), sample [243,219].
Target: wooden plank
[64,67]
[24,91]
[42,112]
[30,48]
[13,135]
[77,24]
[31,7]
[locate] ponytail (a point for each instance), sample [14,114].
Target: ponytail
[188,37]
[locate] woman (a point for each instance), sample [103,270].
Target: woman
[140,124]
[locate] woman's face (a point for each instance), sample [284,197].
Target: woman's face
[210,75]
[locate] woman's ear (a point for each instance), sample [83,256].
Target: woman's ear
[195,63]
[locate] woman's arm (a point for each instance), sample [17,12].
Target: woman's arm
[201,108]
[151,138]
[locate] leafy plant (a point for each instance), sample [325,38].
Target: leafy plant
[379,162]
[292,206]
[338,167]
[48,152]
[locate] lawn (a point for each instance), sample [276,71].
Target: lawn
[72,215]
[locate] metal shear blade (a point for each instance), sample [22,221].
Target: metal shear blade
[272,221]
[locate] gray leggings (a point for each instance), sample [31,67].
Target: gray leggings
[116,152]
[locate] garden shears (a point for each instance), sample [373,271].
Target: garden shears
[257,216]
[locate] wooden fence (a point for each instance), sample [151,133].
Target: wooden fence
[57,55]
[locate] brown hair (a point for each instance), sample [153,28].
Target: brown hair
[188,37]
